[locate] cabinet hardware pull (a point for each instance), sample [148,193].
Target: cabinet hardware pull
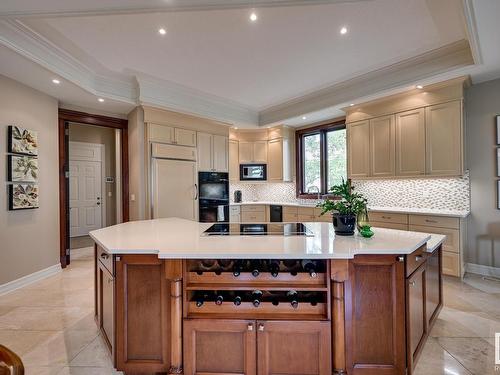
[385,217]
[412,283]
[401,258]
[261,327]
[430,221]
[196,192]
[418,258]
[250,327]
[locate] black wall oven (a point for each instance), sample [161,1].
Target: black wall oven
[213,193]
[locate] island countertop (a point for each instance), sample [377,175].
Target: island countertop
[174,238]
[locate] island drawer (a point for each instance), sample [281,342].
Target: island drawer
[386,217]
[415,259]
[105,258]
[435,221]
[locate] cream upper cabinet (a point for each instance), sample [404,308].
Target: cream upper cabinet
[253,152]
[260,152]
[234,163]
[212,153]
[358,137]
[443,131]
[279,166]
[184,137]
[245,152]
[220,153]
[204,152]
[382,146]
[410,143]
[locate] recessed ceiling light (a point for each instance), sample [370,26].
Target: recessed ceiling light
[100,100]
[235,127]
[343,30]
[420,87]
[351,104]
[304,117]
[56,81]
[162,31]
[253,17]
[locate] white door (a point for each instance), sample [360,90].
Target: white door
[174,189]
[85,203]
[85,187]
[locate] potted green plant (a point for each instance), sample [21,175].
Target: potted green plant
[345,207]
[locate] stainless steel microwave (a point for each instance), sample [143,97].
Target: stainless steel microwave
[253,172]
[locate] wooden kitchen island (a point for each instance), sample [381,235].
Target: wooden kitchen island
[171,300]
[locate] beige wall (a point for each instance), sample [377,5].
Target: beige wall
[29,239]
[106,137]
[482,105]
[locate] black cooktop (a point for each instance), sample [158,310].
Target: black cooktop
[271,229]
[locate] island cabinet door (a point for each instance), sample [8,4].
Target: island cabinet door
[375,316]
[416,324]
[294,347]
[219,346]
[143,326]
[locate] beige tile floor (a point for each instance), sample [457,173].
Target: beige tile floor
[50,325]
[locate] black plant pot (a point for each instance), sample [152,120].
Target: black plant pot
[344,224]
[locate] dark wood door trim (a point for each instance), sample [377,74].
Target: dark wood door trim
[66,116]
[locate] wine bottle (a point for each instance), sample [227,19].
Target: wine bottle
[225,264]
[274,267]
[239,266]
[219,298]
[292,296]
[292,266]
[255,266]
[200,299]
[237,300]
[256,297]
[208,264]
[310,267]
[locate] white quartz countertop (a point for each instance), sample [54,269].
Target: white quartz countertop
[174,238]
[404,210]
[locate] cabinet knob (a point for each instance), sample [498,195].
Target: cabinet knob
[261,327]
[401,258]
[104,256]
[412,283]
[418,258]
[250,327]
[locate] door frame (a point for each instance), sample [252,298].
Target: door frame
[65,117]
[102,150]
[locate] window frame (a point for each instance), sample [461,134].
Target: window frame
[322,130]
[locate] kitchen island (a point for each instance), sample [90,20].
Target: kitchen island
[171,299]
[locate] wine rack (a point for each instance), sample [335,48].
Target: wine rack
[257,289]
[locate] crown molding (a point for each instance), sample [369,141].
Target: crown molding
[168,6]
[448,57]
[170,95]
[471,29]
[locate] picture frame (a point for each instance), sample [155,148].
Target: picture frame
[22,141]
[23,197]
[498,161]
[22,168]
[498,130]
[498,194]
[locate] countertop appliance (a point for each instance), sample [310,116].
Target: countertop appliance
[276,213]
[174,190]
[282,229]
[214,197]
[237,196]
[253,172]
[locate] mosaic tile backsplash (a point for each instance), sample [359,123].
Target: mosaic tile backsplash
[431,193]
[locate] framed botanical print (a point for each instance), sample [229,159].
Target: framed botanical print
[22,168]
[22,141]
[23,197]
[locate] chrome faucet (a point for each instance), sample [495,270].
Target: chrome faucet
[313,187]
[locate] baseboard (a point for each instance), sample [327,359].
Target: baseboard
[29,279]
[479,269]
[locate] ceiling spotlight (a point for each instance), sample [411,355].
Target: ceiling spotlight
[253,17]
[420,87]
[100,100]
[56,81]
[162,31]
[343,30]
[304,117]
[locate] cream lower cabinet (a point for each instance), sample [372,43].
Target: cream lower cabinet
[410,143]
[358,146]
[212,153]
[444,139]
[234,214]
